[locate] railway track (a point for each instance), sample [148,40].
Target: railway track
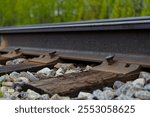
[70,59]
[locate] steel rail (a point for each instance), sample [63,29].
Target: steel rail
[111,24]
[128,39]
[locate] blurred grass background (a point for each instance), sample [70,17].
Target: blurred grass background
[27,12]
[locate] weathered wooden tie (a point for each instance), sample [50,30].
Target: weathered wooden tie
[72,84]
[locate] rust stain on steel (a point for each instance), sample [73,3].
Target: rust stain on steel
[13,54]
[46,58]
[10,55]
[4,42]
[117,67]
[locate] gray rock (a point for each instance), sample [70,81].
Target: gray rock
[8,84]
[144,95]
[145,75]
[57,97]
[32,95]
[60,72]
[10,63]
[18,88]
[14,96]
[28,75]
[107,88]
[4,89]
[14,75]
[108,94]
[11,91]
[15,61]
[44,97]
[45,73]
[85,95]
[72,71]
[22,79]
[131,91]
[124,88]
[5,78]
[66,66]
[23,95]
[139,83]
[147,87]
[117,84]
[124,97]
[31,77]
[98,94]
[7,95]
[87,68]
[2,79]
[19,60]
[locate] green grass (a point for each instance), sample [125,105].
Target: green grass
[1,94]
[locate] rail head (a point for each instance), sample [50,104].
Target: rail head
[110,24]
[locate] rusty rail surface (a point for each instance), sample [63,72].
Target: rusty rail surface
[128,39]
[119,47]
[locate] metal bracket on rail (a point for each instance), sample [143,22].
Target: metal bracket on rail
[46,58]
[13,54]
[114,66]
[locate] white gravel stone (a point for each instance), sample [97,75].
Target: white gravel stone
[98,94]
[117,84]
[10,63]
[15,61]
[144,95]
[87,68]
[139,83]
[107,88]
[44,97]
[124,97]
[7,95]
[22,79]
[28,75]
[14,75]
[4,89]
[72,71]
[2,79]
[66,66]
[131,91]
[108,94]
[124,88]
[45,73]
[57,97]
[8,84]
[145,75]
[85,95]
[11,91]
[19,60]
[147,87]
[105,95]
[5,78]
[15,95]
[60,72]
[32,95]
